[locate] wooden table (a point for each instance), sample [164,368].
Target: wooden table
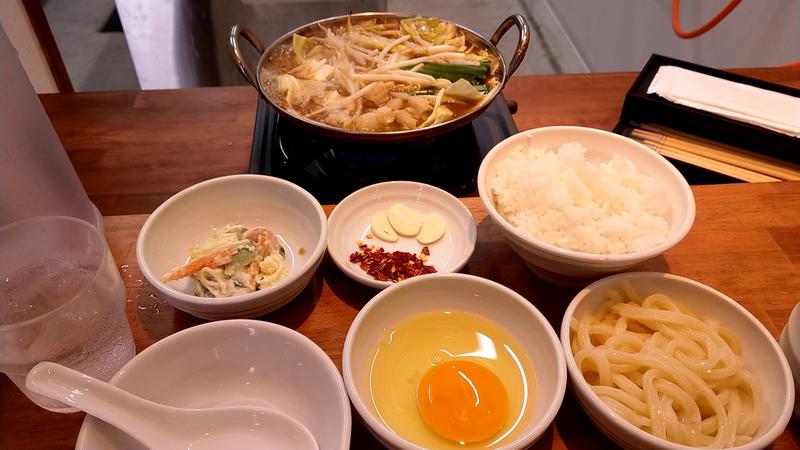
[133,150]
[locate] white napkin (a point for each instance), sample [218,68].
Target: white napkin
[767,109]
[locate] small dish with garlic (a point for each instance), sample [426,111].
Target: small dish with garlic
[401,216]
[400,220]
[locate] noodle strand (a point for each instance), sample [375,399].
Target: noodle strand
[666,371]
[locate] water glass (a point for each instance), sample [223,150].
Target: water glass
[63,300]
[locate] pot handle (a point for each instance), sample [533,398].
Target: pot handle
[236,52]
[522,43]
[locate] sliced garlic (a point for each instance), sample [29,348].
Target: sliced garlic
[381,227]
[405,221]
[433,228]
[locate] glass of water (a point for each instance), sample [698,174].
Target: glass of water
[62,300]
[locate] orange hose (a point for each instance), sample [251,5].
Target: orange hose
[676,20]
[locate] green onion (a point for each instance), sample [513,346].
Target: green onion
[473,74]
[482,88]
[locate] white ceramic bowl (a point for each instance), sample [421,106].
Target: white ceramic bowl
[235,362]
[761,354]
[186,219]
[790,344]
[571,267]
[350,222]
[456,292]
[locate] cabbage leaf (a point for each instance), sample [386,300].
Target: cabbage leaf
[464,91]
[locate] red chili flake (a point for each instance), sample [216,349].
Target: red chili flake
[395,266]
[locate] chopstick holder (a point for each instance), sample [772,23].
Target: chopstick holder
[771,110]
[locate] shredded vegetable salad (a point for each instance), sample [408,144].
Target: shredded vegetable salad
[235,260]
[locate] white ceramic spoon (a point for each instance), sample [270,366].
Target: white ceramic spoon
[159,426]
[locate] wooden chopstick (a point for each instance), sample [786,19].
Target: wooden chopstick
[730,170]
[681,142]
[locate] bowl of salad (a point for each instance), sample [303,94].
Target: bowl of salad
[238,246]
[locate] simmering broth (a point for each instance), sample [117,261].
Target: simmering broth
[381,74]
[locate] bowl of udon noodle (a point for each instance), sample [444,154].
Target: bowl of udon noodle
[664,362]
[380,76]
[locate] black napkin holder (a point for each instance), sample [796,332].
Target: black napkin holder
[640,108]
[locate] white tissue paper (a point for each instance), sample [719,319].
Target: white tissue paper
[768,109]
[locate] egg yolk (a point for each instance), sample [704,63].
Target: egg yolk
[462,401]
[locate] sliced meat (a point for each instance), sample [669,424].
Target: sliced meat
[396,103]
[385,116]
[378,93]
[378,120]
[419,106]
[367,122]
[405,119]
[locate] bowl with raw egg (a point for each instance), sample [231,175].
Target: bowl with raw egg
[453,361]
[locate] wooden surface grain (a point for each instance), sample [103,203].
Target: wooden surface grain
[133,150]
[745,242]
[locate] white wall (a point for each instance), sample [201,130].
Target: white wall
[619,35]
[15,22]
[164,50]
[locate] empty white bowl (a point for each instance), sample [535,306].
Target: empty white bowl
[186,219]
[790,344]
[761,355]
[572,267]
[235,362]
[456,292]
[349,223]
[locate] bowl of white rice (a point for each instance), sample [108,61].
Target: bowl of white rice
[579,203]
